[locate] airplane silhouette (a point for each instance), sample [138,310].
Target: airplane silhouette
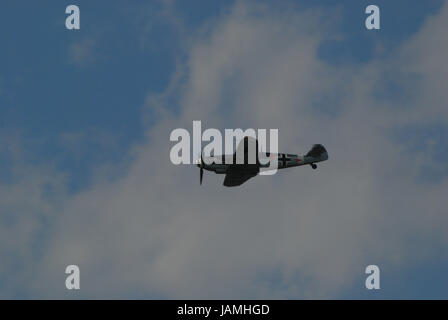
[238,172]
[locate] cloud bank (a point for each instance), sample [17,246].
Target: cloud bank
[144,228]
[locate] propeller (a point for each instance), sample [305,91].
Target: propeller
[201,173]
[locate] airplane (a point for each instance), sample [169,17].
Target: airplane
[237,174]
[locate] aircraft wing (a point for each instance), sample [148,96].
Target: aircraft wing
[235,177]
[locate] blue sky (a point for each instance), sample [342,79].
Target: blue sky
[74,100]
[46,94]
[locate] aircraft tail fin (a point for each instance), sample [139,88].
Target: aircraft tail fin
[317,151]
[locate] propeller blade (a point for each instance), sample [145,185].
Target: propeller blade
[202,170]
[201,174]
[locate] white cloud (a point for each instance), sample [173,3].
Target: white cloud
[152,231]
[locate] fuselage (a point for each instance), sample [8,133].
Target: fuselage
[220,164]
